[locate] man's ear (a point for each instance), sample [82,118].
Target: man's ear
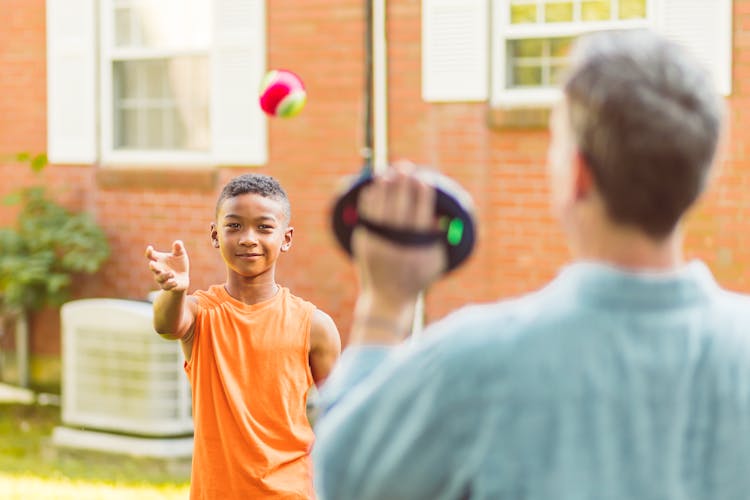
[583,176]
[214,235]
[287,244]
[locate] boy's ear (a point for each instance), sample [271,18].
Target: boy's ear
[287,244]
[214,234]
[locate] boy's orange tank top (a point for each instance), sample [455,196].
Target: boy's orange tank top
[250,374]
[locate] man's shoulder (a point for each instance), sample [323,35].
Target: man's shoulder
[501,320]
[490,330]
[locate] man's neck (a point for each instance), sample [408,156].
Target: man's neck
[627,247]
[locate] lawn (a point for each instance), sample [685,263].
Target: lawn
[31,468]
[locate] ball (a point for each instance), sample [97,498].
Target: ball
[282,93]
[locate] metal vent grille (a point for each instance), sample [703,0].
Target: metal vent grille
[118,374]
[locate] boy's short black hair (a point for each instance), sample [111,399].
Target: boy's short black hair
[264,185]
[646,119]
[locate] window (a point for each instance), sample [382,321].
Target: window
[532,39]
[156,74]
[156,82]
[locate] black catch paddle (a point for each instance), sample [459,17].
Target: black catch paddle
[453,209]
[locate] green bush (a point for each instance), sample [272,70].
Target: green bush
[48,246]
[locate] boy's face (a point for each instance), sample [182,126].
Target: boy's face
[251,231]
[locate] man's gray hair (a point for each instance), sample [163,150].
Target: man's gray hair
[647,119]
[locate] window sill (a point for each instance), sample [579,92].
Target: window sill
[172,178]
[518,118]
[522,108]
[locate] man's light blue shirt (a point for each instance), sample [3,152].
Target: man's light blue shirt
[603,385]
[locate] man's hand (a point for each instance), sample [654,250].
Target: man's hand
[392,275]
[170,270]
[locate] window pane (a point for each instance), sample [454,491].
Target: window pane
[174,128]
[632,9]
[557,12]
[560,47]
[162,103]
[531,47]
[154,136]
[154,83]
[526,76]
[523,13]
[126,129]
[596,10]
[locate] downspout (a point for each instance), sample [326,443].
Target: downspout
[375,151]
[380,85]
[380,113]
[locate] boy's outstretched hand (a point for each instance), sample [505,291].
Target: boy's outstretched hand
[170,269]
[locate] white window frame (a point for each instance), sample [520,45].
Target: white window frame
[503,31]
[108,54]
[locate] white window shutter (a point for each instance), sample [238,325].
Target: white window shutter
[71,82]
[455,50]
[705,27]
[239,128]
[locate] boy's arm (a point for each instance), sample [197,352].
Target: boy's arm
[174,315]
[174,311]
[325,346]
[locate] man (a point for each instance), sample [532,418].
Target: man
[627,376]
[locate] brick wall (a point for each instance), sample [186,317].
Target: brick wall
[520,247]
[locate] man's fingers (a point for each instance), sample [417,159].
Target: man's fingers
[424,207]
[401,201]
[373,201]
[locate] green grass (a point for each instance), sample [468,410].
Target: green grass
[30,467]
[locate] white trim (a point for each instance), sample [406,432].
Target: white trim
[239,128]
[71,81]
[527,98]
[106,97]
[724,79]
[704,27]
[142,54]
[147,158]
[570,29]
[13,394]
[455,50]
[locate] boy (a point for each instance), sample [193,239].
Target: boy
[252,350]
[627,377]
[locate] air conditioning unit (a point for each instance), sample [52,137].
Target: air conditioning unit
[123,385]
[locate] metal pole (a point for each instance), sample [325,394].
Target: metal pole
[367,148]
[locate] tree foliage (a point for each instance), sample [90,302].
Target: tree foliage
[49,245]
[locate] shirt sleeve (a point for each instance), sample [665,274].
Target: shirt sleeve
[389,431]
